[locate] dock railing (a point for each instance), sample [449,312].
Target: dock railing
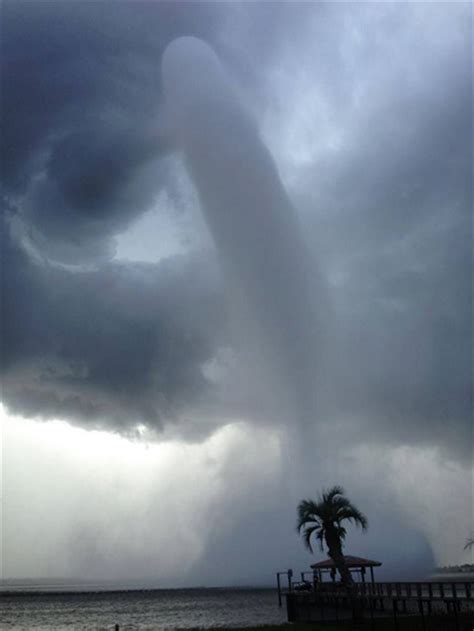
[452,601]
[405,589]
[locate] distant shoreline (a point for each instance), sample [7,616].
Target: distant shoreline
[8,589]
[457,577]
[33,591]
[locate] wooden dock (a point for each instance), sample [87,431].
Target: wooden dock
[452,602]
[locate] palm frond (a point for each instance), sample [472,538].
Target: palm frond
[340,502]
[329,494]
[307,512]
[307,536]
[342,532]
[353,515]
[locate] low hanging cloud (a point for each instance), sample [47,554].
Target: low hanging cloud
[370,128]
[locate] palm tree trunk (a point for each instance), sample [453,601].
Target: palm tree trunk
[335,552]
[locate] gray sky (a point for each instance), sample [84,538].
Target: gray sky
[175,378]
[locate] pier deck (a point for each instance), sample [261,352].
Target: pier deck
[429,602]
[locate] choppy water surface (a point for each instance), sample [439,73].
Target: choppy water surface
[146,609]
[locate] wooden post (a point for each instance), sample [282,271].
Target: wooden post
[372,574]
[395,611]
[456,619]
[291,607]
[422,612]
[279,589]
[371,604]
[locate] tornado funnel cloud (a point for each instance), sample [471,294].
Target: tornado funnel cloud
[251,219]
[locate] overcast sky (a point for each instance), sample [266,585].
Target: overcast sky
[232,283]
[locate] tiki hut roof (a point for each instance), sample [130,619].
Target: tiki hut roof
[350,562]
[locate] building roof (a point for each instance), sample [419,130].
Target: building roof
[350,562]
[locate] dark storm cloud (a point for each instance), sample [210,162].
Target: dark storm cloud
[80,100]
[110,348]
[388,212]
[82,148]
[397,200]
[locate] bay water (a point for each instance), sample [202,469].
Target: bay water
[137,609]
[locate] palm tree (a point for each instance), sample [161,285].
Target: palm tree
[469,542]
[324,519]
